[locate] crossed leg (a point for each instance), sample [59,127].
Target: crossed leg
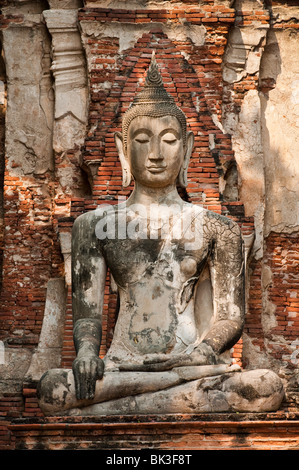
[217,388]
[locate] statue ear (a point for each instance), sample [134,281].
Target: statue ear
[184,168]
[123,159]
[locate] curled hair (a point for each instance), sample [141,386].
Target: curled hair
[153,111]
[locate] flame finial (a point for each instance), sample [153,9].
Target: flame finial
[153,77]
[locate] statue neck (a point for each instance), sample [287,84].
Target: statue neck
[146,196]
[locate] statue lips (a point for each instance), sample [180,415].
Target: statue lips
[156,169]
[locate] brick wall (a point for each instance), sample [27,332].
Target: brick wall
[158,436]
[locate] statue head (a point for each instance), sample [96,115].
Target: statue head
[154,145]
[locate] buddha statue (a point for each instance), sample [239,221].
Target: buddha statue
[167,355]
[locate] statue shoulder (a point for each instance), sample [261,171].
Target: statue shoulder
[84,227]
[90,218]
[220,225]
[84,220]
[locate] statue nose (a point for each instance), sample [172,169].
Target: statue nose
[155,153]
[155,156]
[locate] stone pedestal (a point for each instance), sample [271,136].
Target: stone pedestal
[273,431]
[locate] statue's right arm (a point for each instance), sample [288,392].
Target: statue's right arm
[88,283]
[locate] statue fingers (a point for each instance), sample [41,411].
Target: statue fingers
[164,365]
[91,377]
[77,378]
[157,359]
[78,371]
[100,368]
[92,369]
[185,360]
[82,380]
[77,385]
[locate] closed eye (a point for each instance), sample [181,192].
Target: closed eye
[142,139]
[169,138]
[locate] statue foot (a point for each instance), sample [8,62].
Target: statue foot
[258,390]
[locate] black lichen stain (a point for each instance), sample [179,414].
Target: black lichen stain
[248,392]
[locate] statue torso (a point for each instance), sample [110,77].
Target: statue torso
[156,278]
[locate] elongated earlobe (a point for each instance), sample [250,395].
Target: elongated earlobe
[126,171]
[183,182]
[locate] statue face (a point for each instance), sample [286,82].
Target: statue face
[155,150]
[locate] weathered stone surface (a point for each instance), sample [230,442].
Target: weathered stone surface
[48,353]
[280,117]
[13,368]
[28,142]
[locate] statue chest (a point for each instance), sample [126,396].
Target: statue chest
[156,285]
[131,260]
[149,313]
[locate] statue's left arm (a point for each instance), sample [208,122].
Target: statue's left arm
[227,278]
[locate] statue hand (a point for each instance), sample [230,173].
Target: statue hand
[202,355]
[86,370]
